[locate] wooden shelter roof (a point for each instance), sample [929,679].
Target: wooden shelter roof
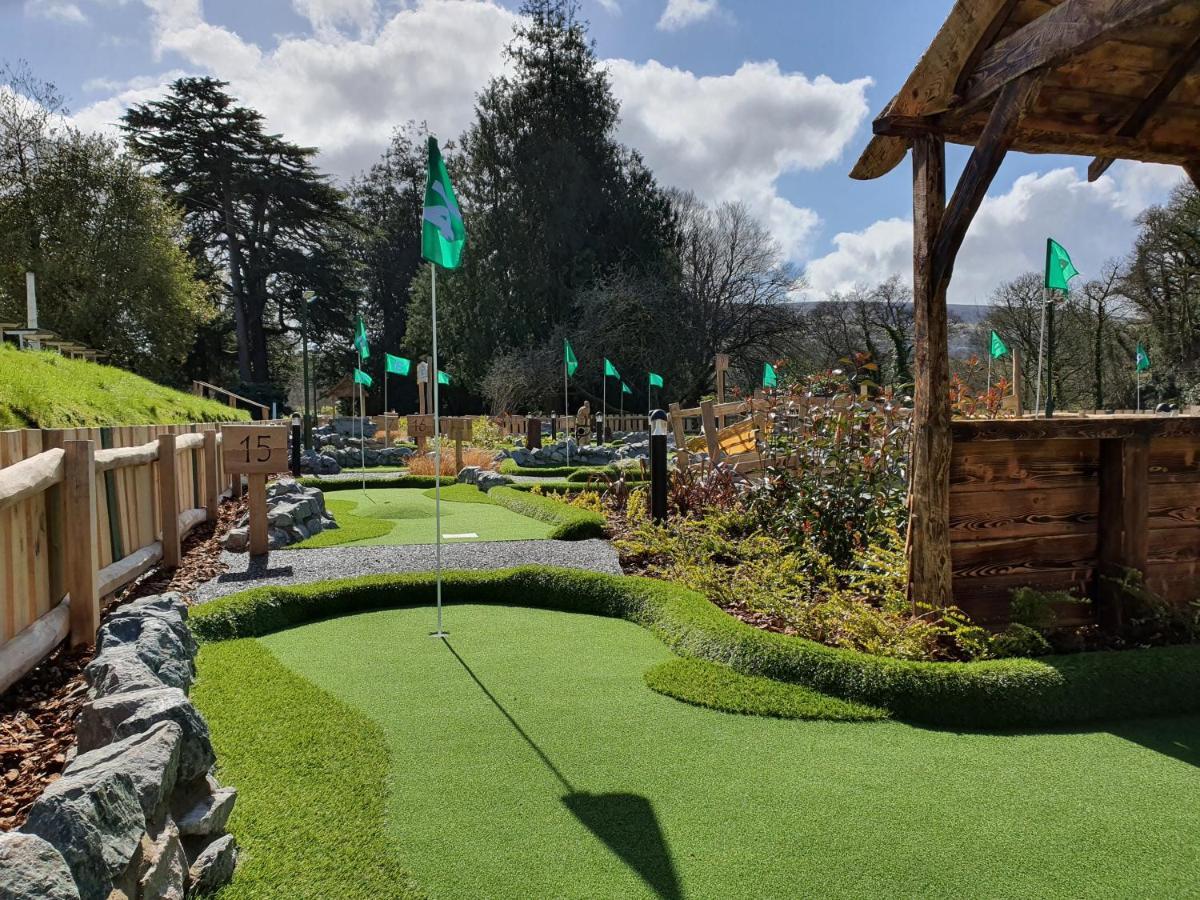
[1119,80]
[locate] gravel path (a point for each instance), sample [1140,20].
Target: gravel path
[284,567]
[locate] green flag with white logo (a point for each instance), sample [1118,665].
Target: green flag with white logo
[397,365]
[625,388]
[610,371]
[360,339]
[1142,360]
[443,377]
[443,234]
[361,377]
[569,359]
[656,380]
[770,379]
[998,346]
[1059,268]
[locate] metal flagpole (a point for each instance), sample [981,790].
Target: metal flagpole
[989,386]
[604,405]
[1037,403]
[567,409]
[386,431]
[437,455]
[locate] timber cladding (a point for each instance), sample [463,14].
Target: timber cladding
[1049,503]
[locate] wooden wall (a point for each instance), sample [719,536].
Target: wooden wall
[1026,499]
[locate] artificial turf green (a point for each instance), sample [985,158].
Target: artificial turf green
[712,685]
[528,759]
[408,515]
[311,813]
[460,493]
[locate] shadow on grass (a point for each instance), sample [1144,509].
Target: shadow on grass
[625,823]
[1177,737]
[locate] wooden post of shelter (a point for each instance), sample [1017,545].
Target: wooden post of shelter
[1104,77]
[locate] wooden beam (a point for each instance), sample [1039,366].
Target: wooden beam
[929,573]
[1070,29]
[1136,121]
[1015,99]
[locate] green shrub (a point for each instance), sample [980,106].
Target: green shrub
[1020,640]
[1035,609]
[571,523]
[509,467]
[400,481]
[991,694]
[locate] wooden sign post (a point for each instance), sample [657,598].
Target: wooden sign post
[420,429]
[255,451]
[458,430]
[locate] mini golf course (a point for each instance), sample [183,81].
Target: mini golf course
[526,757]
[397,516]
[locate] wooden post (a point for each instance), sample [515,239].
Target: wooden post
[722,366]
[79,498]
[929,574]
[168,501]
[710,432]
[458,460]
[212,488]
[681,453]
[1124,521]
[256,487]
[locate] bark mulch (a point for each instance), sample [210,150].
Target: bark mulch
[37,714]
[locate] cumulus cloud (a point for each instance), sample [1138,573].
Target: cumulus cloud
[682,13]
[328,17]
[731,137]
[57,10]
[611,6]
[1094,221]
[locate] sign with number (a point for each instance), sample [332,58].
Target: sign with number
[254,449]
[420,427]
[458,429]
[422,372]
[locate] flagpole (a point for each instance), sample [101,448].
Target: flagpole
[437,453]
[989,383]
[386,430]
[566,408]
[1037,403]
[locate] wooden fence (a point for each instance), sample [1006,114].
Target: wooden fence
[1055,503]
[84,512]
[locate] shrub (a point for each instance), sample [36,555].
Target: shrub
[571,523]
[399,481]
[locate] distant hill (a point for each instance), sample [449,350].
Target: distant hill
[45,390]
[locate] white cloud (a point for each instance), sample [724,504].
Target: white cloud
[610,6]
[328,17]
[731,137]
[58,10]
[1094,221]
[682,13]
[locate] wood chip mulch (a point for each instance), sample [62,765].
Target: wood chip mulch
[37,714]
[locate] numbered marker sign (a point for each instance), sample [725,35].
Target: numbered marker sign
[254,449]
[458,429]
[420,427]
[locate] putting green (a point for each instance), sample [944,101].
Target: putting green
[394,516]
[526,758]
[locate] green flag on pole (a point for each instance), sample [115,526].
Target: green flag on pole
[625,388]
[656,380]
[1059,268]
[361,377]
[443,377]
[1143,359]
[442,232]
[397,365]
[770,379]
[569,358]
[360,339]
[998,346]
[610,371]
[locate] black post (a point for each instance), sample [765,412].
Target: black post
[658,477]
[297,440]
[1050,358]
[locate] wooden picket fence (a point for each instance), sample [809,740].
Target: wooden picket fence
[85,511]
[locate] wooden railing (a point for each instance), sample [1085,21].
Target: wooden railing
[204,389]
[83,512]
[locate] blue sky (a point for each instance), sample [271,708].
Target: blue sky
[767,102]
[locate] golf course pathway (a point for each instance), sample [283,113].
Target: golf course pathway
[285,567]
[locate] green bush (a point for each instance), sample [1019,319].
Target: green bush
[400,481]
[509,467]
[571,523]
[992,694]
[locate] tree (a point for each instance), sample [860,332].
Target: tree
[102,239]
[256,208]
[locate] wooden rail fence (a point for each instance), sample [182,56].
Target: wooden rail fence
[84,512]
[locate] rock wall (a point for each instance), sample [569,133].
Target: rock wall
[294,513]
[137,813]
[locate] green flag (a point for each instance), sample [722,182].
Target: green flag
[625,388]
[1143,359]
[770,379]
[655,380]
[443,377]
[1059,268]
[361,377]
[610,371]
[569,358]
[397,365]
[442,232]
[360,339]
[998,346]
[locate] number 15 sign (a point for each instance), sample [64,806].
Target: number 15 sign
[254,449]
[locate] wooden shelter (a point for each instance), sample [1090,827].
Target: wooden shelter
[1110,79]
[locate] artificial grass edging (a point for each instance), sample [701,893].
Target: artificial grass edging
[571,523]
[400,481]
[985,695]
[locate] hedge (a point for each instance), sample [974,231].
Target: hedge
[985,695]
[400,481]
[509,466]
[571,523]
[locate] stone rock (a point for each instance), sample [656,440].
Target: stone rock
[31,869]
[163,870]
[213,867]
[487,480]
[95,821]
[150,759]
[209,814]
[294,513]
[117,670]
[468,474]
[112,718]
[237,540]
[161,640]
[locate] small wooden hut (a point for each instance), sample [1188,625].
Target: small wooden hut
[1109,79]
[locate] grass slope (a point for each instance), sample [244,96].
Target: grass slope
[45,390]
[528,759]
